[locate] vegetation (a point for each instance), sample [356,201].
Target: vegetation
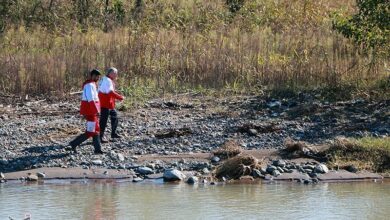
[365,153]
[178,45]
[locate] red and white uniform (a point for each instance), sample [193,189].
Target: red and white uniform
[90,107]
[107,94]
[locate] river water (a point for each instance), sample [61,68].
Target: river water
[155,200]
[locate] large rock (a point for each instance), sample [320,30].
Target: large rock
[145,170]
[173,175]
[321,168]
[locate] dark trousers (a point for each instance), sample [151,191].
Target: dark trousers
[104,113]
[83,137]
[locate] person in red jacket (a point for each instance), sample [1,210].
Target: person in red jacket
[90,109]
[108,96]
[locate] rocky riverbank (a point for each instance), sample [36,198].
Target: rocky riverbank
[33,134]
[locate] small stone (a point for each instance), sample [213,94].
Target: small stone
[215,159]
[263,170]
[352,168]
[97,162]
[308,166]
[321,168]
[279,163]
[276,173]
[41,175]
[308,170]
[137,179]
[105,172]
[145,170]
[173,175]
[307,182]
[257,173]
[193,180]
[120,157]
[253,132]
[280,169]
[32,177]
[271,169]
[205,170]
[2,176]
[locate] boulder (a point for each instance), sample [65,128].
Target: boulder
[173,175]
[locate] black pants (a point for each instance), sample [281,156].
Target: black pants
[105,112]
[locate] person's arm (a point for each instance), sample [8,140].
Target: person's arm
[113,93]
[116,95]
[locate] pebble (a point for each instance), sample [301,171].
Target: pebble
[276,173]
[144,170]
[41,175]
[32,177]
[215,159]
[321,168]
[97,162]
[193,180]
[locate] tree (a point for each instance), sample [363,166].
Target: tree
[369,27]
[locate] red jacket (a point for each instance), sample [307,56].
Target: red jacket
[107,94]
[90,101]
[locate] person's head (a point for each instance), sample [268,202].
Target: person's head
[112,72]
[94,75]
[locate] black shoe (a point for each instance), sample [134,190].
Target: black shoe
[71,148]
[98,152]
[116,136]
[103,140]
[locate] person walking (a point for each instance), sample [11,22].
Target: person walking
[90,109]
[108,96]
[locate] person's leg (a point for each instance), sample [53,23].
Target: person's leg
[93,130]
[97,145]
[114,123]
[103,123]
[77,141]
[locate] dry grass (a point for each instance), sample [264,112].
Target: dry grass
[228,149]
[192,45]
[236,167]
[365,153]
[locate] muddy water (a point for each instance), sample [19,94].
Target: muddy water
[108,200]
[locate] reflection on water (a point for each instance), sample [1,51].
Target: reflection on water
[113,200]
